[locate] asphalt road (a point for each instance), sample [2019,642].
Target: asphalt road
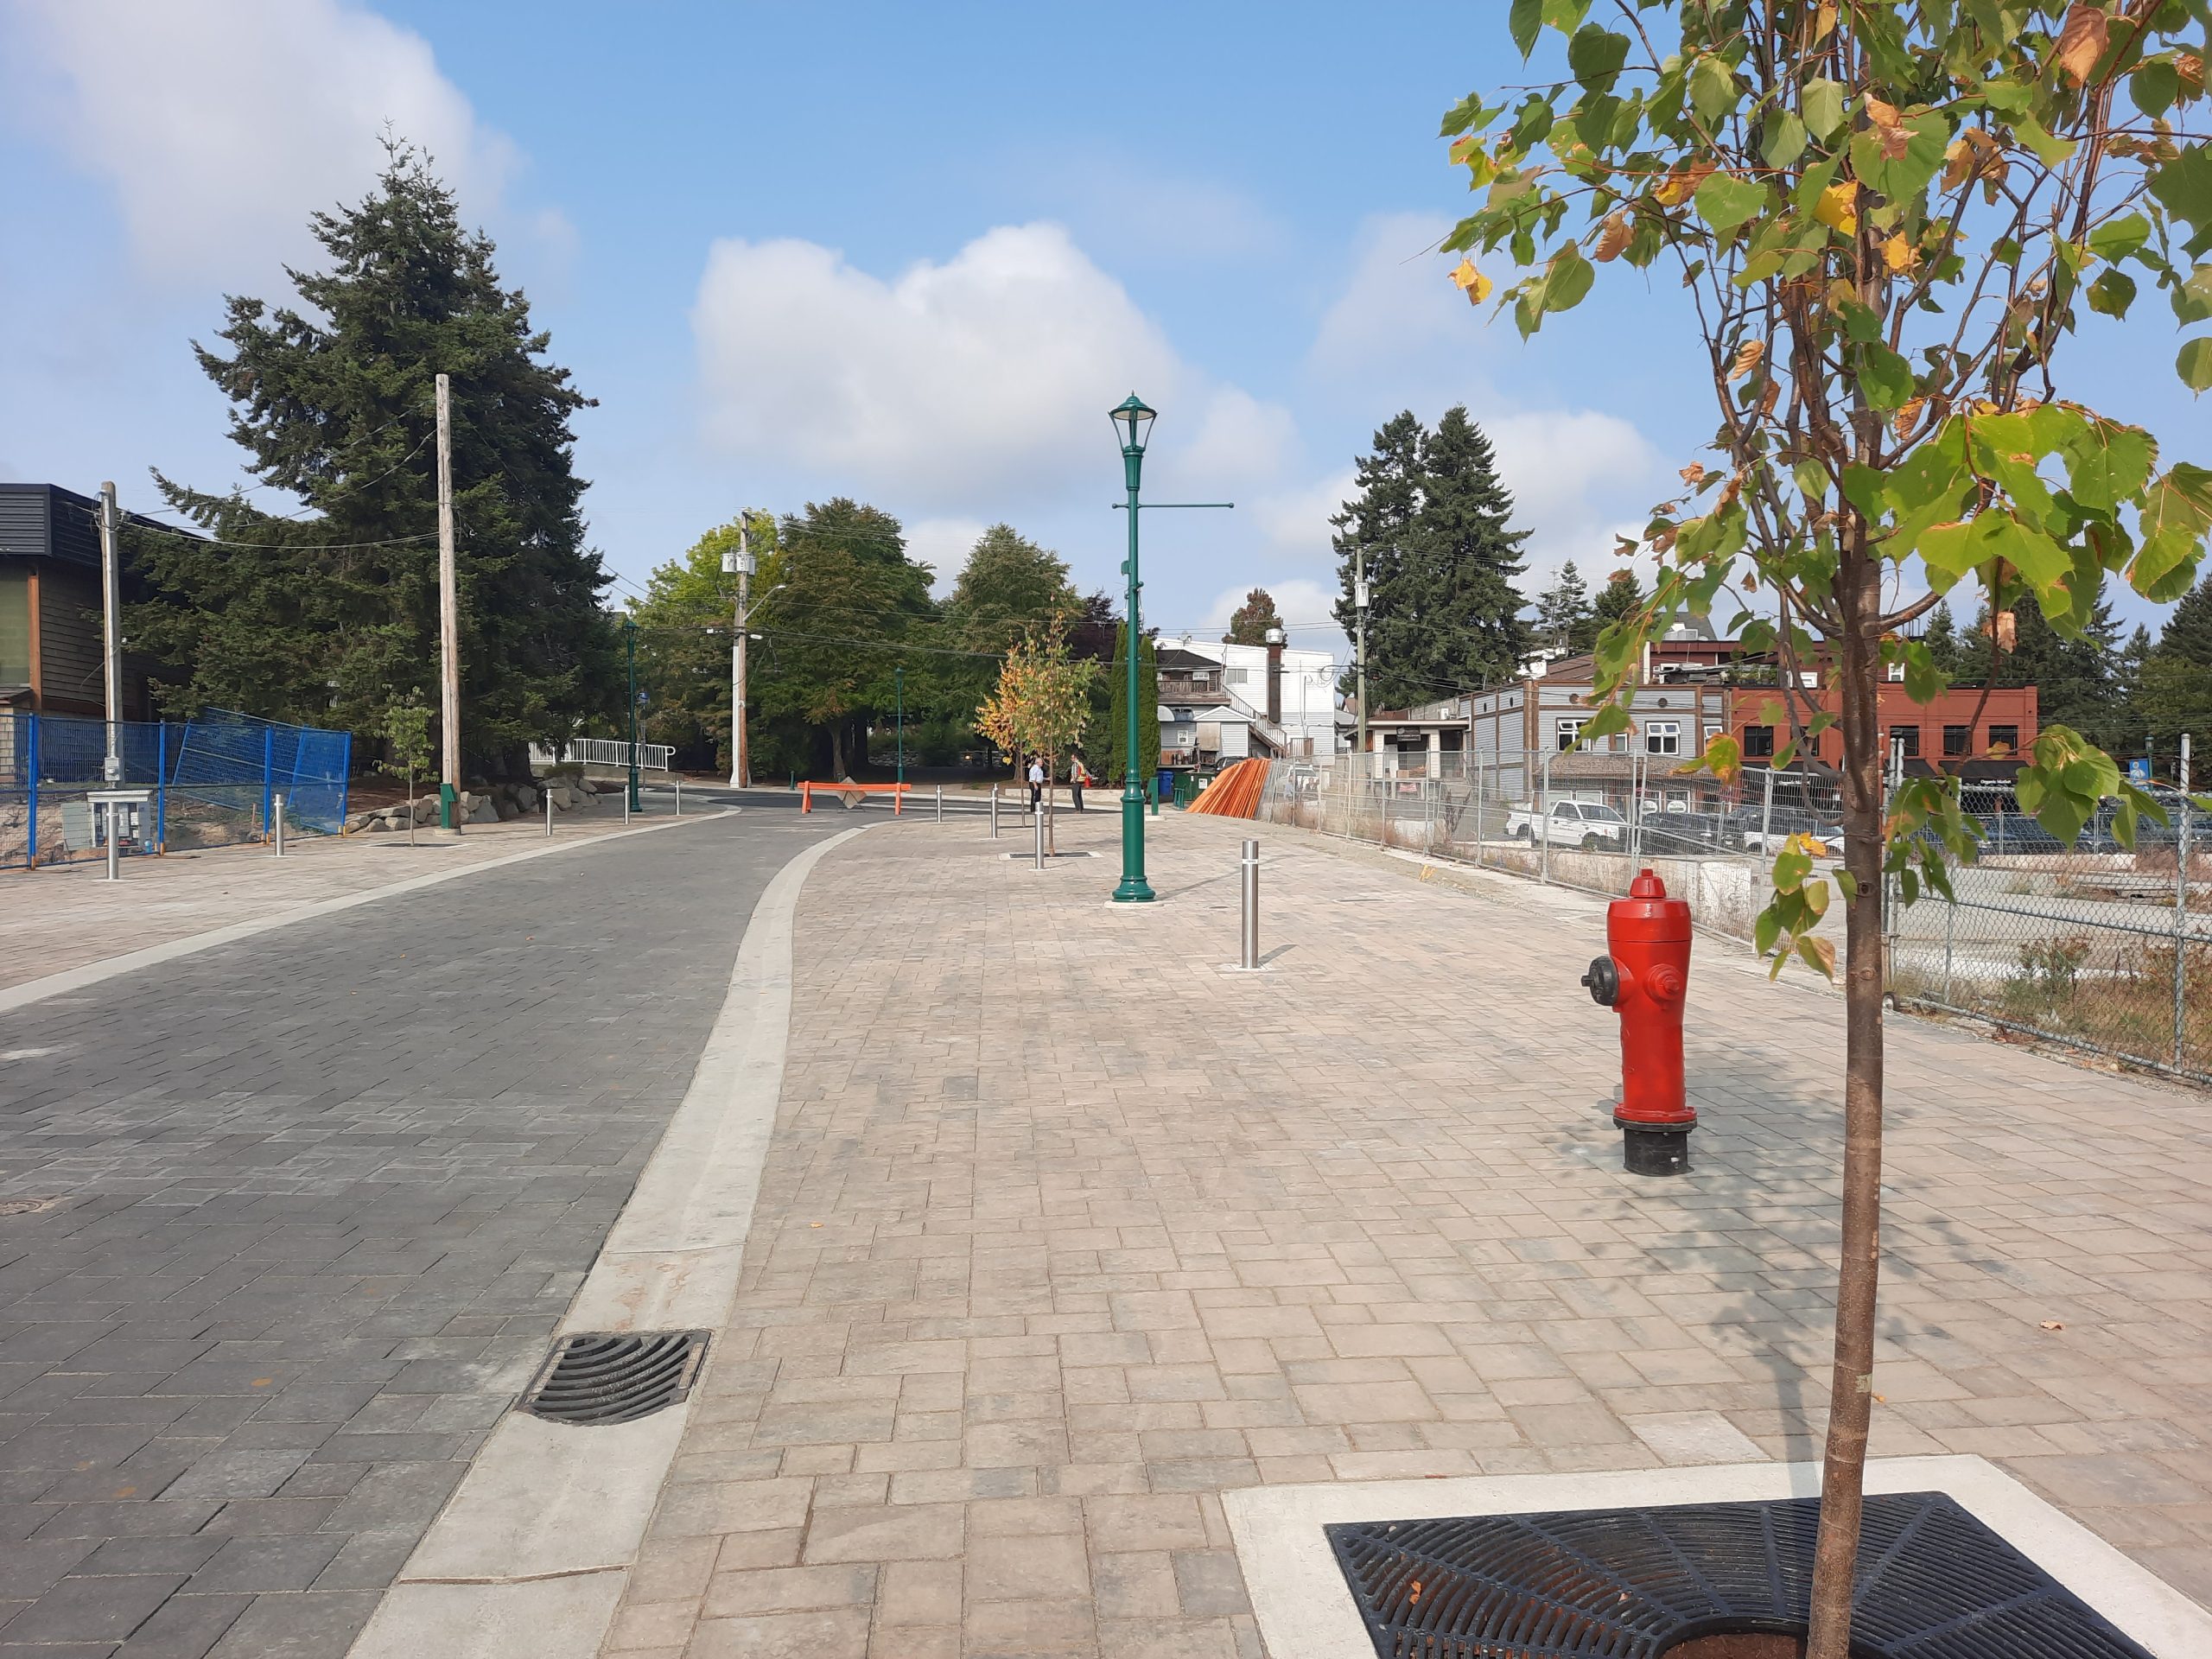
[294,1219]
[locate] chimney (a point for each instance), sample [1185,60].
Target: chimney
[1274,676]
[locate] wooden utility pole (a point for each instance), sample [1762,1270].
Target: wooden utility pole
[112,630]
[449,613]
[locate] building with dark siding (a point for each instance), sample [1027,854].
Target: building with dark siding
[50,606]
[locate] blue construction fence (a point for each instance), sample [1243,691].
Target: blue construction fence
[212,781]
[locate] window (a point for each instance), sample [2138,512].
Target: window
[1568,729]
[1894,672]
[1758,742]
[1662,737]
[2004,740]
[1908,738]
[1238,676]
[1567,811]
[1958,740]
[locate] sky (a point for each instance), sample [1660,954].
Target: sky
[907,254]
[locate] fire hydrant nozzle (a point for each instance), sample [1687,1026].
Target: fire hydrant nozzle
[1644,980]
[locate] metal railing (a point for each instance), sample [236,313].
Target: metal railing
[604,752]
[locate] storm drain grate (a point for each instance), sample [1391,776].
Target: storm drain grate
[598,1377]
[1934,1583]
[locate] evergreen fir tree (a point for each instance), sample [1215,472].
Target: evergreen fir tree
[1250,622]
[1622,596]
[2177,681]
[1563,609]
[1945,649]
[1433,520]
[1373,527]
[331,616]
[2077,680]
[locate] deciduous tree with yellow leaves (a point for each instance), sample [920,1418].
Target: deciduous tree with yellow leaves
[1890,217]
[1041,703]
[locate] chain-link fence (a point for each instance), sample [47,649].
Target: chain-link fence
[2105,947]
[1580,819]
[210,781]
[2090,944]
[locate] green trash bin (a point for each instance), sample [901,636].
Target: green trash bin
[448,801]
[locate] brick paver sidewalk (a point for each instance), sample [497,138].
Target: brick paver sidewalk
[1065,1230]
[60,917]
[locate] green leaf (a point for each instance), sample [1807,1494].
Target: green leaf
[1901,180]
[1790,870]
[1885,377]
[1566,16]
[2184,188]
[1812,481]
[2154,86]
[1596,56]
[2175,513]
[2118,238]
[1766,930]
[2111,293]
[2192,300]
[1524,21]
[1713,90]
[1783,141]
[1725,201]
[1822,101]
[1862,488]
[2050,150]
[1567,279]
[2195,364]
[1924,681]
[2108,464]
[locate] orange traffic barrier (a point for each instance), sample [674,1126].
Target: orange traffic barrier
[853,794]
[1235,792]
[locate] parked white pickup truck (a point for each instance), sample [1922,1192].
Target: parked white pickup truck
[1590,825]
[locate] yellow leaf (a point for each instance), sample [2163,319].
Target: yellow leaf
[1958,165]
[2081,40]
[1838,207]
[1613,237]
[1683,183]
[1882,115]
[1898,253]
[1823,22]
[1472,282]
[1747,359]
[1907,417]
[1693,474]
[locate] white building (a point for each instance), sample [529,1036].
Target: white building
[1286,697]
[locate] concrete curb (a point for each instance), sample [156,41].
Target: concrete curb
[92,972]
[529,1558]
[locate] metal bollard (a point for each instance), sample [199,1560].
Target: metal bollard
[1041,841]
[278,821]
[995,812]
[679,793]
[626,806]
[549,811]
[1251,905]
[940,802]
[114,847]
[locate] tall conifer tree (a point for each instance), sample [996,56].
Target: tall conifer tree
[330,616]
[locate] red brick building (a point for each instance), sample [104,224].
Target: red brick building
[1957,726]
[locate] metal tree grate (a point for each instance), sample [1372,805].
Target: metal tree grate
[596,1377]
[1933,1583]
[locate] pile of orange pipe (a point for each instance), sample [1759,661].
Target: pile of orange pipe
[1235,793]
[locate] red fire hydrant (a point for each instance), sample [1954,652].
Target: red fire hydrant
[1644,981]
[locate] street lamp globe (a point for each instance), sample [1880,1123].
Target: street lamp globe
[1134,421]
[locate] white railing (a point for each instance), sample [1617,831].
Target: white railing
[605,752]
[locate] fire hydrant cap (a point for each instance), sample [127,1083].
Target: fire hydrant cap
[1647,886]
[1647,914]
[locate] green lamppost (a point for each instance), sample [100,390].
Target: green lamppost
[899,678]
[1133,422]
[630,641]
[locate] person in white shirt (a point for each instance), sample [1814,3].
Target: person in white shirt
[1036,784]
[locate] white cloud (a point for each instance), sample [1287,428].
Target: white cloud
[1573,473]
[943,544]
[221,124]
[1159,219]
[1396,308]
[1308,608]
[987,375]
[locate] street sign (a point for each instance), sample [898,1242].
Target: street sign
[2138,770]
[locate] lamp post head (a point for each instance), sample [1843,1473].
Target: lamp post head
[1134,422]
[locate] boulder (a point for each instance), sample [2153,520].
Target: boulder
[525,798]
[483,814]
[505,809]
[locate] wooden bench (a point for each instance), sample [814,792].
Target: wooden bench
[853,794]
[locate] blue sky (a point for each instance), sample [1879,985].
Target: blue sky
[909,254]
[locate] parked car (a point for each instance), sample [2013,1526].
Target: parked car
[1590,825]
[1680,834]
[1755,830]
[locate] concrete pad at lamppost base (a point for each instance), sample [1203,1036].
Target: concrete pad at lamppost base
[550,1619]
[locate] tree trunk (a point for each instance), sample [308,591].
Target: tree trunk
[837,751]
[1051,822]
[1850,1393]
